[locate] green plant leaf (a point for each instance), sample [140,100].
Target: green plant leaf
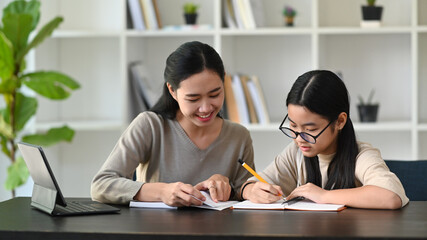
[17,28]
[17,174]
[31,8]
[25,108]
[5,129]
[45,32]
[52,137]
[3,143]
[52,85]
[7,65]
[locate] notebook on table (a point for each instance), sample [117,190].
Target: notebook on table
[304,205]
[47,195]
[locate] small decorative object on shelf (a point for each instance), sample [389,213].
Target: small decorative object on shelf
[190,13]
[371,15]
[289,13]
[368,111]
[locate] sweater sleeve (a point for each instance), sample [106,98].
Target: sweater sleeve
[372,170]
[113,183]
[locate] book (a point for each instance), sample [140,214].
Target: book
[144,92]
[157,13]
[240,97]
[149,14]
[249,100]
[230,100]
[258,100]
[228,14]
[135,11]
[304,205]
[207,204]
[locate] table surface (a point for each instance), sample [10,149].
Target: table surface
[18,220]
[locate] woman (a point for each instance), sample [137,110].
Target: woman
[325,163]
[181,146]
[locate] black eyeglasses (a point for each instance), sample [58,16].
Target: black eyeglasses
[294,134]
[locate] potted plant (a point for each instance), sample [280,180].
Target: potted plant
[190,13]
[289,13]
[20,19]
[368,110]
[371,14]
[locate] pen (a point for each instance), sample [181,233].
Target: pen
[293,200]
[252,171]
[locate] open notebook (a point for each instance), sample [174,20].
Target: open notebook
[207,204]
[304,205]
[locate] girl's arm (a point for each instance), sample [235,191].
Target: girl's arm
[361,197]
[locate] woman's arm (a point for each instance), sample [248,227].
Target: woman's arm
[361,197]
[173,194]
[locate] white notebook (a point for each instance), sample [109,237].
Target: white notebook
[207,204]
[305,205]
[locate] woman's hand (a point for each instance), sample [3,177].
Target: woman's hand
[175,194]
[309,191]
[260,192]
[218,186]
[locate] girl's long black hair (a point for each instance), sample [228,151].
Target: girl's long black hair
[324,93]
[188,59]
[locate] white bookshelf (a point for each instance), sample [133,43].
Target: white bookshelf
[94,45]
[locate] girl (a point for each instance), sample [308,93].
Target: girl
[325,163]
[181,146]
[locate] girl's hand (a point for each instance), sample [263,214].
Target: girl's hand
[218,186]
[309,191]
[260,192]
[179,194]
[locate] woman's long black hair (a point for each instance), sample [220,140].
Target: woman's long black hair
[188,59]
[324,93]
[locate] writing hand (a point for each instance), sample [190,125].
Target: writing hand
[260,192]
[218,186]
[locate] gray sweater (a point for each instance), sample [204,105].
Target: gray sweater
[160,151]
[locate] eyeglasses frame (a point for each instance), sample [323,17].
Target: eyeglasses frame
[299,133]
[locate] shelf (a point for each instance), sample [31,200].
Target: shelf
[358,126]
[85,33]
[82,125]
[359,30]
[422,127]
[266,31]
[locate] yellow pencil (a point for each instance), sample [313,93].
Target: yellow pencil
[252,171]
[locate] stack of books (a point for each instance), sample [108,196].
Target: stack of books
[243,14]
[144,14]
[244,100]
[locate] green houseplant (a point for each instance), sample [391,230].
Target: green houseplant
[289,13]
[19,20]
[190,12]
[368,110]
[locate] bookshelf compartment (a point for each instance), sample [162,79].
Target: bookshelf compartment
[94,63]
[287,57]
[385,60]
[347,13]
[422,145]
[422,15]
[92,15]
[422,77]
[392,145]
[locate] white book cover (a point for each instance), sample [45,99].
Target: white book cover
[136,14]
[256,99]
[239,94]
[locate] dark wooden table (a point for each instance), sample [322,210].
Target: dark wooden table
[18,220]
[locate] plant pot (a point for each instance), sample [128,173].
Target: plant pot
[289,21]
[368,113]
[372,13]
[190,19]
